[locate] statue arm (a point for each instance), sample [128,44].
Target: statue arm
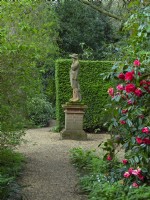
[75,66]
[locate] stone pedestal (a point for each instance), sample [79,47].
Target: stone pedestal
[74,113]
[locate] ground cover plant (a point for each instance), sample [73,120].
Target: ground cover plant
[10,166]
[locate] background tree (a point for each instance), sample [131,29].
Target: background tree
[82,30]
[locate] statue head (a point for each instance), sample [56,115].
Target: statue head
[74,56]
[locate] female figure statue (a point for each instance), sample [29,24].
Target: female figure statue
[74,78]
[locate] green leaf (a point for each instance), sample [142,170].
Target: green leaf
[136,159]
[110,127]
[124,117]
[129,122]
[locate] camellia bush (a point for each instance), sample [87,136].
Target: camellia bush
[130,124]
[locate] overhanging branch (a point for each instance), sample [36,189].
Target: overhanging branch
[100,10]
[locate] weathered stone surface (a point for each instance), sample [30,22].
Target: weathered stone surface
[74,113]
[74,78]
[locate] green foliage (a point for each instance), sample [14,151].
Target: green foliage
[40,111]
[142,193]
[93,90]
[10,166]
[4,186]
[107,191]
[136,34]
[80,158]
[99,181]
[10,161]
[118,191]
[28,33]
[139,28]
[129,126]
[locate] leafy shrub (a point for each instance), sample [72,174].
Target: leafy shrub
[40,111]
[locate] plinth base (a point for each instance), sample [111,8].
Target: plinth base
[74,121]
[70,135]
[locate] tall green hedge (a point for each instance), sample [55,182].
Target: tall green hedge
[93,90]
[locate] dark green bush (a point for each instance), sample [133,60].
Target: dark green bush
[40,111]
[93,90]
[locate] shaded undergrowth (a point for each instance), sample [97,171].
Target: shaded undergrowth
[11,163]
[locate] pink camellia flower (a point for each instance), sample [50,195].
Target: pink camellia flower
[143,82]
[140,176]
[136,172]
[139,73]
[143,141]
[124,111]
[126,174]
[130,170]
[130,102]
[121,76]
[111,92]
[139,140]
[124,161]
[146,141]
[120,87]
[109,157]
[130,88]
[133,72]
[138,92]
[145,87]
[129,76]
[122,122]
[136,63]
[148,82]
[145,130]
[135,185]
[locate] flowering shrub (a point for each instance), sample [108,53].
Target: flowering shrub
[131,124]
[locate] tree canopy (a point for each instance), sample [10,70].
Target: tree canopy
[82,30]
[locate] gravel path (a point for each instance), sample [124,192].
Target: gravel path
[48,174]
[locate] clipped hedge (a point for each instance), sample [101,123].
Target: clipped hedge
[93,90]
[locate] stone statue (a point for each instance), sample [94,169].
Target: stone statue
[74,78]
